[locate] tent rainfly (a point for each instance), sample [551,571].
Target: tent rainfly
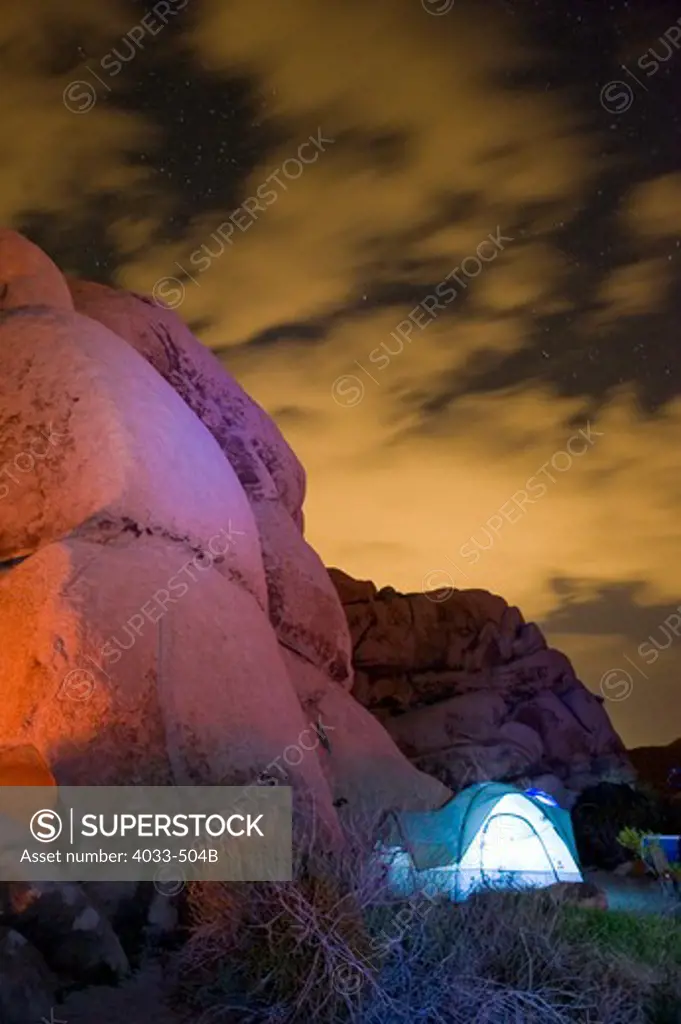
[490,834]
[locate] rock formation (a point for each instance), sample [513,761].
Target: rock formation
[164,619]
[470,691]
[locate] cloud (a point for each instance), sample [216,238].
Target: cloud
[51,158]
[531,276]
[500,155]
[631,290]
[653,208]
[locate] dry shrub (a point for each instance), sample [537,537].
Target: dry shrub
[283,951]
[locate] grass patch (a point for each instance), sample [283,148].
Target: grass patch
[646,938]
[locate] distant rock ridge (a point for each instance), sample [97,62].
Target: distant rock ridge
[470,691]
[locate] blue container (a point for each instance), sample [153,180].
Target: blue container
[670,845]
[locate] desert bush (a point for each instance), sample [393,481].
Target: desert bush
[271,952]
[632,839]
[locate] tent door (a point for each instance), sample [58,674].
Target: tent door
[510,843]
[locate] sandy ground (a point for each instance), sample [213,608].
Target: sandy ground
[639,895]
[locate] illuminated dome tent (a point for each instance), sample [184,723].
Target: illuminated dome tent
[490,834]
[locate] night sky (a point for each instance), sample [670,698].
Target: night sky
[133,131]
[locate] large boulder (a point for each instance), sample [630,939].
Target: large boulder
[28,277]
[24,765]
[366,771]
[100,405]
[310,682]
[515,752]
[470,691]
[79,677]
[474,716]
[27,986]
[115,684]
[74,937]
[562,734]
[410,632]
[262,459]
[351,590]
[304,607]
[589,711]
